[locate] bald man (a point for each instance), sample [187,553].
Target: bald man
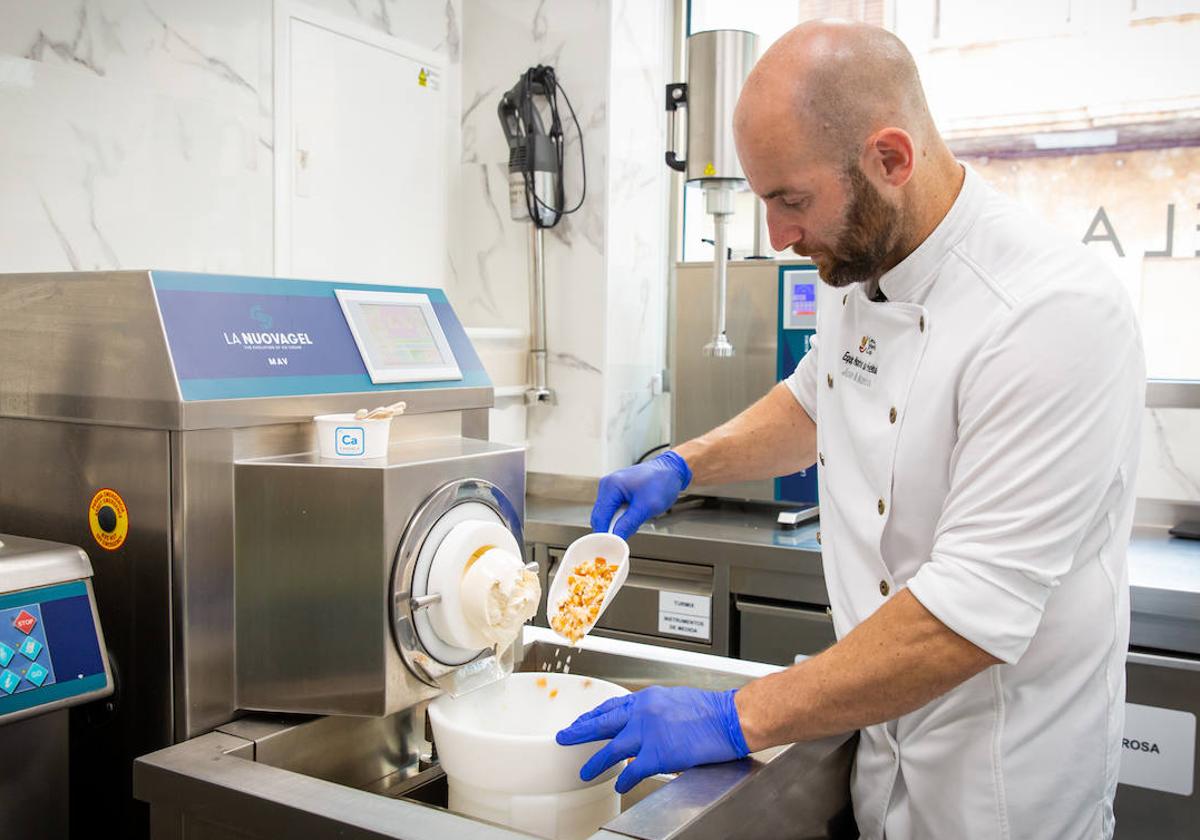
[973,402]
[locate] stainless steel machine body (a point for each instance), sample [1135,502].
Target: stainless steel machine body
[263,777]
[706,391]
[327,554]
[718,62]
[89,399]
[51,658]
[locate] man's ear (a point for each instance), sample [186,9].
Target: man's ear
[890,154]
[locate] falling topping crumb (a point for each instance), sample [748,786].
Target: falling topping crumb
[541,682]
[553,693]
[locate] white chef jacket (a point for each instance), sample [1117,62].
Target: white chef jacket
[978,439]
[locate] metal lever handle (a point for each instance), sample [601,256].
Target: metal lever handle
[420,602]
[676,99]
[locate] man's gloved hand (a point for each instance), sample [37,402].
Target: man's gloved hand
[663,729]
[648,489]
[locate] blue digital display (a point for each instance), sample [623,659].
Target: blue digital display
[804,299]
[49,648]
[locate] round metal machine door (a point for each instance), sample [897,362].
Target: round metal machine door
[464,522]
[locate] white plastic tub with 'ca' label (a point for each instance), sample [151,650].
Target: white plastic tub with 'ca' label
[342,436]
[503,764]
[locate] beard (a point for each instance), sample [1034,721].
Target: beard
[869,242]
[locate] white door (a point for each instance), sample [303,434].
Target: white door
[361,180]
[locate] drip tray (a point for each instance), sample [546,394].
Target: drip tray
[271,776]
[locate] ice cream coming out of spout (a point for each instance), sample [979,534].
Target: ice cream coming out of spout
[511,601]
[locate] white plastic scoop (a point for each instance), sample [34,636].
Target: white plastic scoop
[584,550]
[383,412]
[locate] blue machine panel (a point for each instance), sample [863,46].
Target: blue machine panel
[796,327]
[49,647]
[236,337]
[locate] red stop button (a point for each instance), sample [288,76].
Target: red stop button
[25,622]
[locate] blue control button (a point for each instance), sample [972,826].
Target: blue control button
[6,655]
[30,648]
[9,682]
[36,674]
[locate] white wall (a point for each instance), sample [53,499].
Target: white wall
[140,133]
[636,418]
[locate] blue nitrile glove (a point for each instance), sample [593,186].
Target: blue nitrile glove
[648,489]
[664,730]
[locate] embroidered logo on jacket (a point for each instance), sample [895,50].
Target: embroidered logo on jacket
[858,369]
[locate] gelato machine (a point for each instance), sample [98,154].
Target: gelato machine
[278,622]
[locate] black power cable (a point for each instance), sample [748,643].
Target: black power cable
[543,80]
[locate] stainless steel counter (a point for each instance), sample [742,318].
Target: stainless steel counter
[1164,584]
[757,559]
[344,777]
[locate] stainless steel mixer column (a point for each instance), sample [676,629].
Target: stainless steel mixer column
[718,200]
[718,62]
[539,393]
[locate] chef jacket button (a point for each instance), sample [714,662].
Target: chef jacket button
[882,507]
[921,323]
[884,589]
[829,379]
[821,458]
[892,414]
[818,537]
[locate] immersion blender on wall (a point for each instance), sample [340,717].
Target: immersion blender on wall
[718,62]
[536,192]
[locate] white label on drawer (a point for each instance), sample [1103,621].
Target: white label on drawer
[681,614]
[1158,750]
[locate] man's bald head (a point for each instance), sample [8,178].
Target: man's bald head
[834,135]
[836,83]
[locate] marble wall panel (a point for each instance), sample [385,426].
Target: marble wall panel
[501,39]
[140,132]
[1170,467]
[636,416]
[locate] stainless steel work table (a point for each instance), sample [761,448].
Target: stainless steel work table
[751,556]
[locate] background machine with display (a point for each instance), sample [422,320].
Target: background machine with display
[52,656]
[771,321]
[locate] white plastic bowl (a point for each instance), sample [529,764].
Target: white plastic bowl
[501,737]
[341,436]
[502,763]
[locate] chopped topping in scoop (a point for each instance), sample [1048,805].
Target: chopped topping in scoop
[586,587]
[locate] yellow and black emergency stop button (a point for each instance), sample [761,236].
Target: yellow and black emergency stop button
[109,519]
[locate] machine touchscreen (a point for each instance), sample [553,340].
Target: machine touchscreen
[399,336]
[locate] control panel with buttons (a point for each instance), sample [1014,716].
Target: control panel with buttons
[22,630]
[51,647]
